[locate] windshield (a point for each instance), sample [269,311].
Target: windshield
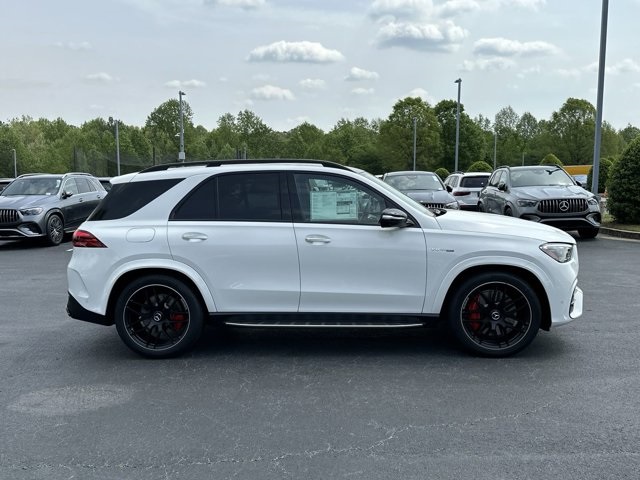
[33,186]
[540,177]
[415,182]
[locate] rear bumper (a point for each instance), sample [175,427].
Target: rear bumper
[77,311]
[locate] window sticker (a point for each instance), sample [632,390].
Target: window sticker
[334,206]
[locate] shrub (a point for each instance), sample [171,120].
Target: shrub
[442,173]
[480,166]
[551,159]
[603,174]
[623,188]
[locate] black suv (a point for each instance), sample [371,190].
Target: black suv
[542,193]
[47,206]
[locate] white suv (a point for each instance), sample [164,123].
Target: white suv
[295,243]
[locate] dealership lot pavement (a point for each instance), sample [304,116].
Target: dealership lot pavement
[251,404]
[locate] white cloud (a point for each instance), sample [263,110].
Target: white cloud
[185,84]
[456,7]
[627,65]
[74,46]
[100,77]
[363,91]
[270,92]
[312,83]
[302,52]
[494,63]
[504,47]
[531,4]
[244,4]
[421,93]
[400,8]
[441,37]
[357,74]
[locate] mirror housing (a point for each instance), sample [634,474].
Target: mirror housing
[449,188]
[394,217]
[66,194]
[502,186]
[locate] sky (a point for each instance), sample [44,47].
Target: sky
[291,61]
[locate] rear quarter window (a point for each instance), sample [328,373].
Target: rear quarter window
[127,198]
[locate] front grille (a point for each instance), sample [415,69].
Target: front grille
[563,205]
[433,205]
[8,216]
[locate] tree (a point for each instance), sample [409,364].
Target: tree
[472,145]
[623,189]
[551,159]
[396,136]
[573,127]
[509,146]
[603,174]
[480,166]
[442,173]
[163,127]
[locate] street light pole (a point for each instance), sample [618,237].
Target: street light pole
[459,82]
[415,121]
[495,148]
[15,163]
[115,121]
[601,62]
[181,155]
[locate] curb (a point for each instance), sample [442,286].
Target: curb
[614,232]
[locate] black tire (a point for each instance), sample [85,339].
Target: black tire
[588,232]
[480,207]
[159,316]
[55,230]
[508,212]
[494,314]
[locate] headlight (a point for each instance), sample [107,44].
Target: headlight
[31,211]
[453,205]
[592,201]
[527,203]
[560,252]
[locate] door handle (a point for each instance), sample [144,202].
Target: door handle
[80,200]
[194,237]
[317,239]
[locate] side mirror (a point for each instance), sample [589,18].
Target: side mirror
[393,217]
[449,188]
[66,194]
[502,186]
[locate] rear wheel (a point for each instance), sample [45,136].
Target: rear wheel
[159,316]
[55,230]
[494,314]
[588,232]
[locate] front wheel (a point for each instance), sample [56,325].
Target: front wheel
[494,314]
[55,230]
[508,212]
[158,316]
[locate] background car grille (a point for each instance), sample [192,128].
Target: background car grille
[563,205]
[8,216]
[433,205]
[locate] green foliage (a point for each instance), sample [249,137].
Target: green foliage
[480,166]
[573,130]
[623,189]
[442,173]
[551,159]
[603,174]
[472,140]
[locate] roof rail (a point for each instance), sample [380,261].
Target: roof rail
[218,163]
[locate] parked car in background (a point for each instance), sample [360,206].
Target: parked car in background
[424,187]
[465,187]
[4,182]
[47,205]
[309,244]
[106,182]
[581,180]
[545,194]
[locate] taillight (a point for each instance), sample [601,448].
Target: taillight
[461,193]
[82,238]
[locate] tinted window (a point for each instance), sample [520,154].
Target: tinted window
[83,185]
[33,186]
[126,198]
[200,204]
[249,197]
[474,182]
[495,179]
[540,177]
[70,186]
[329,199]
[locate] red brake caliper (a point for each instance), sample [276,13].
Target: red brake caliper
[178,320]
[474,314]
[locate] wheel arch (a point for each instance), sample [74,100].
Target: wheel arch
[526,275]
[130,275]
[55,211]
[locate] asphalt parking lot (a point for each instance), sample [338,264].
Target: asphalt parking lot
[251,404]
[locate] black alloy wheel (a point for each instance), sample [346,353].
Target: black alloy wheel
[55,230]
[159,316]
[495,314]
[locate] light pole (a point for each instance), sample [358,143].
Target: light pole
[459,82]
[115,121]
[601,62]
[15,163]
[415,122]
[181,155]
